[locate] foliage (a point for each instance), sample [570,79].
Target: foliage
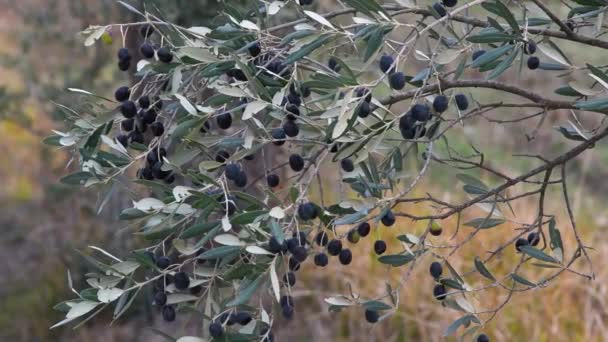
[249,87]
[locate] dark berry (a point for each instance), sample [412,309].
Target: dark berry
[385,63]
[306,2]
[347,165]
[136,137]
[322,238]
[163,262]
[397,80]
[483,338]
[363,229]
[334,247]
[296,162]
[224,121]
[436,269]
[146,31]
[436,229]
[286,301]
[145,173]
[274,246]
[127,124]
[388,219]
[168,313]
[222,156]
[333,64]
[292,109]
[371,316]
[128,109]
[278,134]
[238,74]
[420,112]
[440,103]
[124,54]
[300,254]
[521,242]
[216,330]
[272,180]
[363,109]
[533,62]
[287,311]
[255,49]
[241,179]
[440,9]
[321,259]
[122,94]
[462,102]
[289,278]
[181,280]
[346,256]
[533,239]
[294,265]
[353,236]
[305,92]
[144,102]
[124,64]
[205,127]
[160,298]
[294,99]
[379,247]
[232,171]
[157,128]
[478,54]
[146,50]
[242,317]
[164,55]
[439,292]
[291,128]
[307,211]
[450,3]
[530,47]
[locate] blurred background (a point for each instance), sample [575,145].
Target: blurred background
[43,222]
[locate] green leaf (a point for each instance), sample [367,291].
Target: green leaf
[244,293]
[374,42]
[491,37]
[504,65]
[571,133]
[376,305]
[78,178]
[248,217]
[484,223]
[276,230]
[503,11]
[308,48]
[471,180]
[131,214]
[52,140]
[351,218]
[555,240]
[462,321]
[369,7]
[567,91]
[598,104]
[481,268]
[452,283]
[597,72]
[219,252]
[396,260]
[537,254]
[93,140]
[491,55]
[522,280]
[199,229]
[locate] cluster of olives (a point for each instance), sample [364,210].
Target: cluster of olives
[532,240]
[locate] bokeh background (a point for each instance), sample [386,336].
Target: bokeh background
[43,222]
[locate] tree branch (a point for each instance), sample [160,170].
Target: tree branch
[446,84]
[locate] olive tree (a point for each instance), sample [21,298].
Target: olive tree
[230,133]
